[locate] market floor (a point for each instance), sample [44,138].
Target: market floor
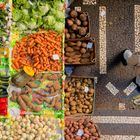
[121,31]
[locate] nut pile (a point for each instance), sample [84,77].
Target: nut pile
[77,25]
[82,129]
[31,128]
[77,52]
[79,96]
[33,99]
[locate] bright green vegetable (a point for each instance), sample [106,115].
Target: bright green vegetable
[32,24]
[22,26]
[38,14]
[59,27]
[17,14]
[44,9]
[59,15]
[58,5]
[50,20]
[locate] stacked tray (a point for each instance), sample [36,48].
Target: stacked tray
[79,102]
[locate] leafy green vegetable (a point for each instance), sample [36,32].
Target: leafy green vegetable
[50,20]
[44,9]
[17,14]
[39,21]
[22,26]
[32,24]
[3,27]
[59,27]
[58,5]
[31,15]
[59,15]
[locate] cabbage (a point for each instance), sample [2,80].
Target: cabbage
[58,5]
[18,3]
[59,26]
[27,5]
[39,21]
[50,20]
[35,14]
[59,15]
[22,26]
[17,14]
[45,26]
[25,12]
[43,9]
[32,24]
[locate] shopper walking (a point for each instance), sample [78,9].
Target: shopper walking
[132,60]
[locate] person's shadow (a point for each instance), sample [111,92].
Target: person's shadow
[117,60]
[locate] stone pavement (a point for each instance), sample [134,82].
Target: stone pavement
[122,31]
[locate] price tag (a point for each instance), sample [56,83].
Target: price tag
[14,112]
[78,9]
[112,88]
[55,57]
[130,89]
[69,70]
[122,106]
[86,89]
[89,45]
[80,132]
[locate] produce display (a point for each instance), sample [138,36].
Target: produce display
[80,129]
[41,51]
[3,106]
[80,51]
[31,15]
[41,92]
[4,82]
[77,25]
[31,127]
[34,94]
[5,25]
[79,96]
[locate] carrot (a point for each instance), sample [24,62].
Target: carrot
[36,50]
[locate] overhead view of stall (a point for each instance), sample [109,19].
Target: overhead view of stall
[69,69]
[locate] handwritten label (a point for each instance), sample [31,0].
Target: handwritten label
[112,88]
[122,106]
[14,112]
[130,89]
[80,132]
[89,45]
[55,57]
[86,89]
[78,9]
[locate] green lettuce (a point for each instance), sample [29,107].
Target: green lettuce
[32,24]
[44,9]
[17,14]
[59,15]
[59,27]
[50,20]
[58,5]
[21,26]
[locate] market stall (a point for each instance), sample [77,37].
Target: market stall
[36,43]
